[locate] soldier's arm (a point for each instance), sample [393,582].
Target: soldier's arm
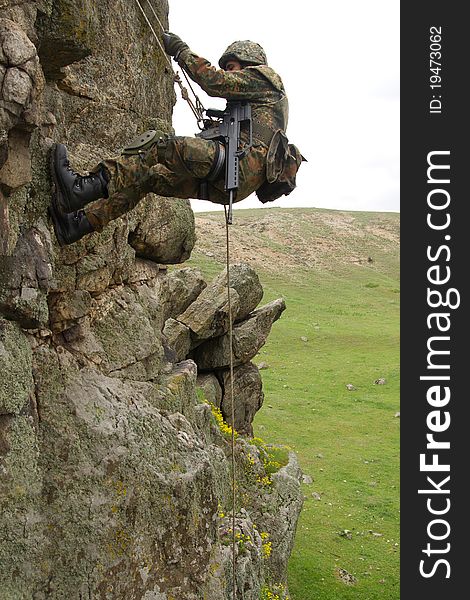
[246,84]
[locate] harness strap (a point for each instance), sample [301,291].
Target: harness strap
[219,161]
[216,168]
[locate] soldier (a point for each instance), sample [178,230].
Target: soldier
[175,165]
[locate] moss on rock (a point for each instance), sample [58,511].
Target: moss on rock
[16,381]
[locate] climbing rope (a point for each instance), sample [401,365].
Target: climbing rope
[234,558]
[196,106]
[198,111]
[199,107]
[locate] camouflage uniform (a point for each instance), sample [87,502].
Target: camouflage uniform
[178,167]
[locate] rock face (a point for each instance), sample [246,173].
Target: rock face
[248,392]
[114,474]
[203,328]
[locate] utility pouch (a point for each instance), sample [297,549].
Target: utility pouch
[143,142]
[282,163]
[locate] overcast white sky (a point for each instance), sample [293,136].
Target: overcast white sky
[339,60]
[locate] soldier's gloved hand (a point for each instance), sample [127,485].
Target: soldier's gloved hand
[174,45]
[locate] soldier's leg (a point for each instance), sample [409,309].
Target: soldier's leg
[173,167]
[192,155]
[162,181]
[128,183]
[70,227]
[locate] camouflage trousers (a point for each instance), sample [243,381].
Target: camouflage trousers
[175,169]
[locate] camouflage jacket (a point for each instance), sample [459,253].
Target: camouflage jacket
[259,85]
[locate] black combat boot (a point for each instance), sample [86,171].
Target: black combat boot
[74,191]
[69,227]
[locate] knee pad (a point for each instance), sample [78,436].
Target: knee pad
[144,141]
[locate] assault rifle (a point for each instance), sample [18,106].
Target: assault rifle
[227,128]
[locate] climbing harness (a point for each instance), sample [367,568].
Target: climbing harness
[196,106]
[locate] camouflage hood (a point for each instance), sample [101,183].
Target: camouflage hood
[244,51]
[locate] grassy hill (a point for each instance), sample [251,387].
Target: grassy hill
[338,272]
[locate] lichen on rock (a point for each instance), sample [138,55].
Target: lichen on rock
[16,382]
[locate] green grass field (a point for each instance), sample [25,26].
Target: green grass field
[341,327]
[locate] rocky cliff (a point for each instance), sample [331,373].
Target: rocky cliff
[115,460]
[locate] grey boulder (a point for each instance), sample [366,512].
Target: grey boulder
[248,396]
[248,337]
